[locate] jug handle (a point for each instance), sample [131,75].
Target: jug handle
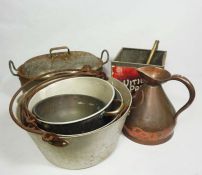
[190,88]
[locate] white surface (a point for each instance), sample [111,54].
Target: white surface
[30,28]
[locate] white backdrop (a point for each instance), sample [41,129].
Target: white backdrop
[30,28]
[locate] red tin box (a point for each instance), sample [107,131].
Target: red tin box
[128,59]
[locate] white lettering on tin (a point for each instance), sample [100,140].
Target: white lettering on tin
[133,85]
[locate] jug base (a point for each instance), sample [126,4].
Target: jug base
[146,142]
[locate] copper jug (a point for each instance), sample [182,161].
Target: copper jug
[153,117]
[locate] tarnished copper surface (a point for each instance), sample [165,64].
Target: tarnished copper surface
[150,138]
[55,61]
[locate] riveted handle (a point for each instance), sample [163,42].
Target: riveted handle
[12,68]
[31,125]
[53,139]
[190,88]
[107,59]
[58,48]
[116,111]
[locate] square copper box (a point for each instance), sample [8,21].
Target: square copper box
[128,59]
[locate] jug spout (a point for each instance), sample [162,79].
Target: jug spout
[154,75]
